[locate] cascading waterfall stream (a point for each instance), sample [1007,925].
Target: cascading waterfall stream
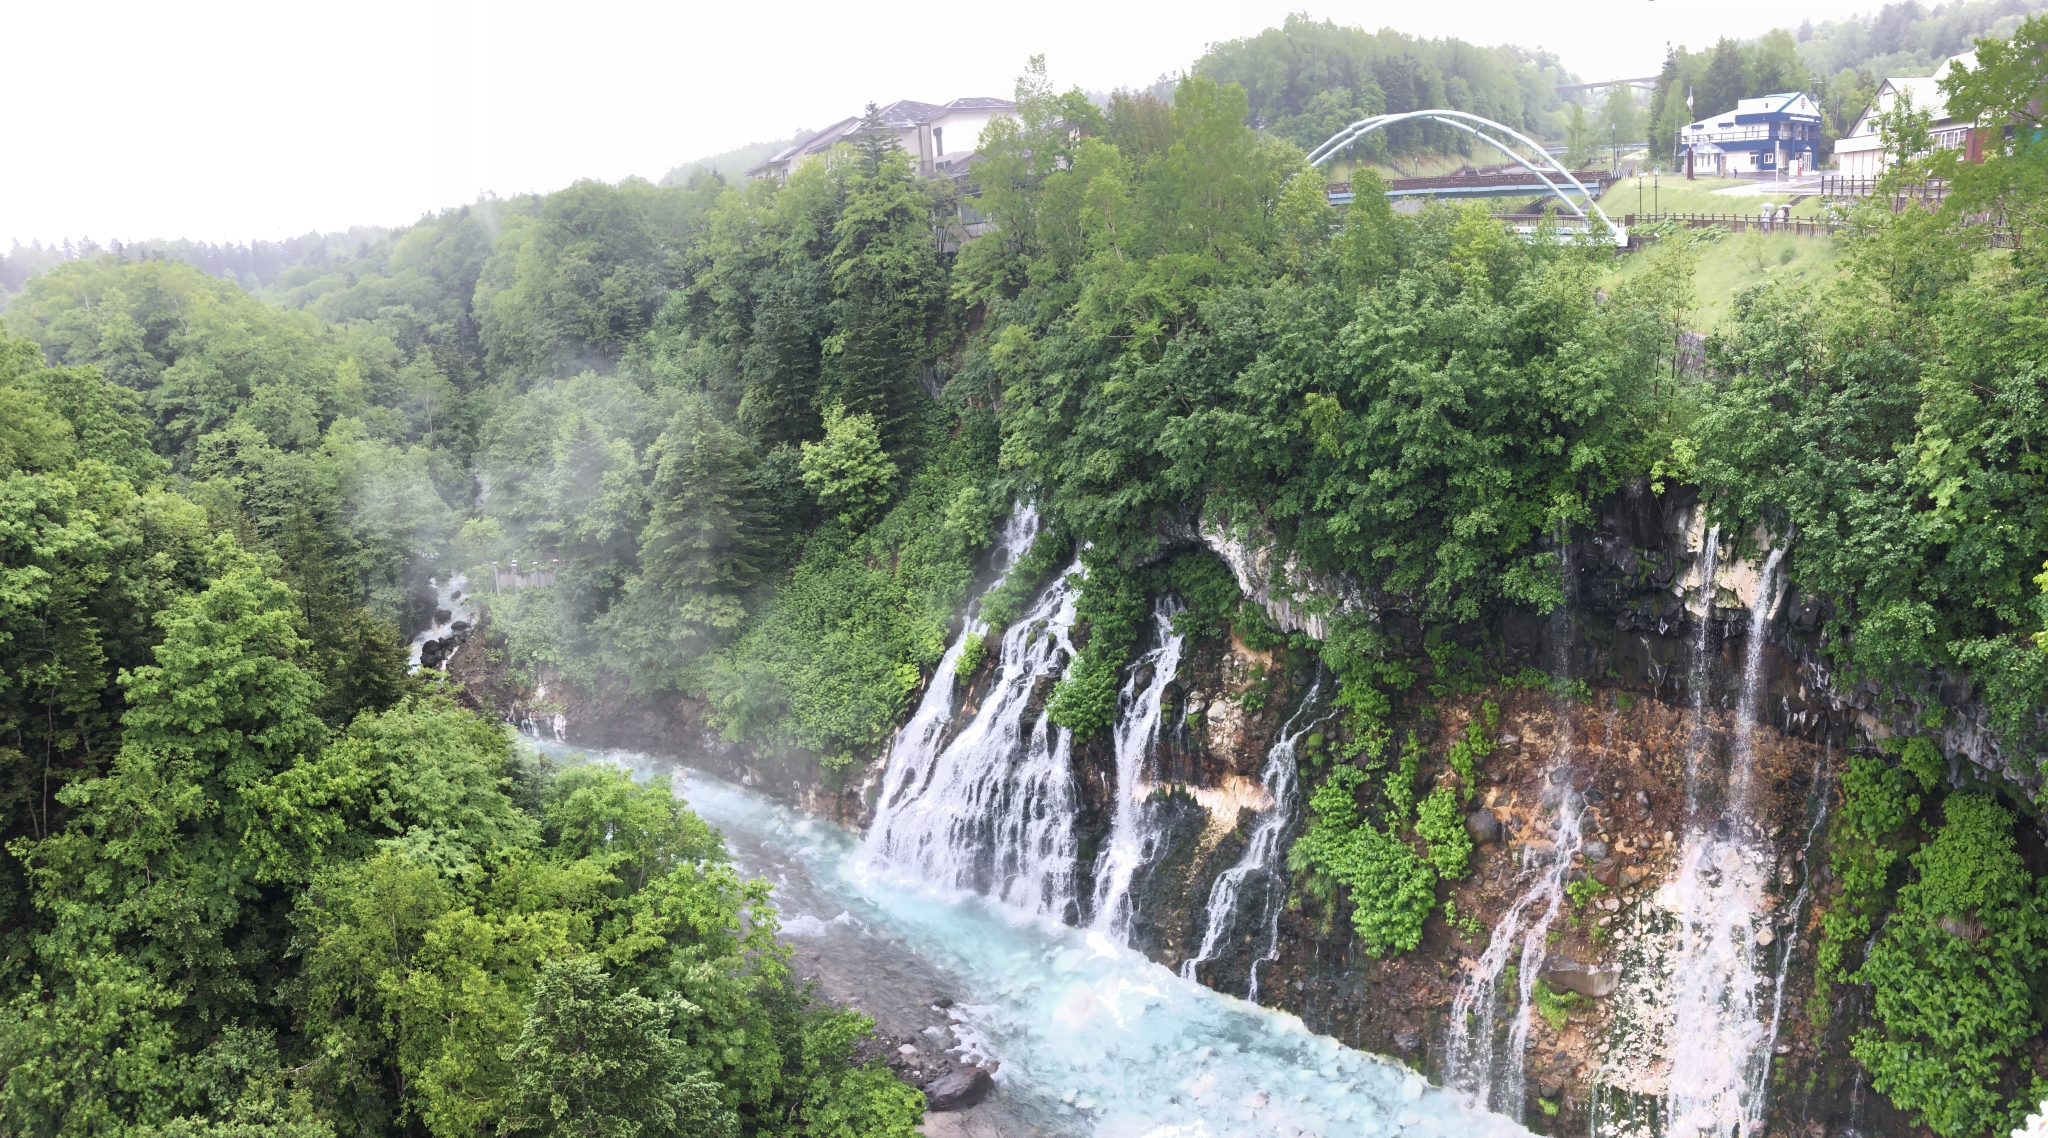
[1499,1082]
[917,743]
[1719,1045]
[1131,842]
[1259,869]
[992,810]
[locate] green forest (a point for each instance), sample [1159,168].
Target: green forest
[261,879]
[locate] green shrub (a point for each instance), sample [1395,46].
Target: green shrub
[1583,890]
[973,651]
[1392,887]
[1554,1004]
[1952,978]
[1476,744]
[1441,825]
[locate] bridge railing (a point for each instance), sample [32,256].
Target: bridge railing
[1595,181]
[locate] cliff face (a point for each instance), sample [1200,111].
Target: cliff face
[1636,703]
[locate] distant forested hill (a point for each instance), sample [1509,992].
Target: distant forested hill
[1906,38]
[1307,79]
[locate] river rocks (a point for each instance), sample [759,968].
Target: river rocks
[1607,872]
[1595,850]
[958,1089]
[1483,826]
[1585,979]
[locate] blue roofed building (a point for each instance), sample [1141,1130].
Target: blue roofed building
[1761,135]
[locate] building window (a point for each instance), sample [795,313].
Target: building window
[939,138]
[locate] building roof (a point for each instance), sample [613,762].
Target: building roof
[903,114]
[1924,89]
[1783,106]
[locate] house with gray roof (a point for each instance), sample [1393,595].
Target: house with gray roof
[939,135]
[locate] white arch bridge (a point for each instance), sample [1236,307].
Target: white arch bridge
[1555,181]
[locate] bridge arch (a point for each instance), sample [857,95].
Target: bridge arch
[1475,126]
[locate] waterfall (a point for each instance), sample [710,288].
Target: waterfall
[1523,932]
[1719,1048]
[1131,841]
[916,744]
[992,810]
[1260,865]
[1754,1114]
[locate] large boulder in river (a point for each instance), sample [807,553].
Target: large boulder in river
[958,1089]
[1585,979]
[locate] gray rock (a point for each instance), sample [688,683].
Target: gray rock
[1595,850]
[1483,826]
[1585,979]
[958,1089]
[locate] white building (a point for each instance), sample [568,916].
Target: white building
[938,134]
[1860,153]
[1761,135]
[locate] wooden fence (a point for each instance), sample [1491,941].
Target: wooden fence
[1737,223]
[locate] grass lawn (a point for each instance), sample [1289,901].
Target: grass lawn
[1674,194]
[1739,260]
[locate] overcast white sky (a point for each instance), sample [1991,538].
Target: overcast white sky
[236,120]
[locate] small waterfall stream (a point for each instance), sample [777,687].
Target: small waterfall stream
[1758,1092]
[1131,841]
[1259,869]
[1719,1047]
[450,597]
[1474,1060]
